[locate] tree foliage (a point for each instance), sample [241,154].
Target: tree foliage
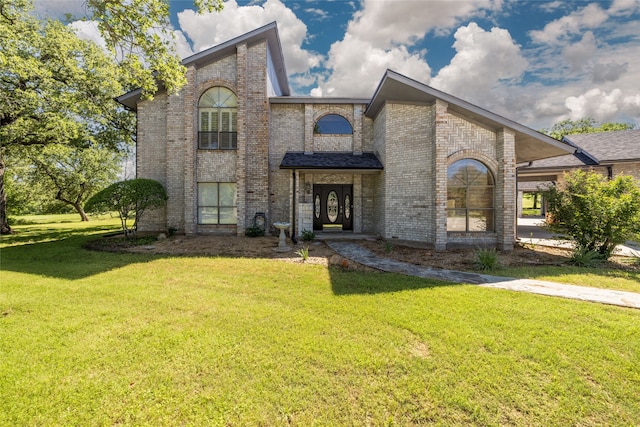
[72,175]
[139,32]
[586,125]
[594,212]
[54,89]
[131,199]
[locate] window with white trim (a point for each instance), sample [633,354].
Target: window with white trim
[217,203]
[218,120]
[470,197]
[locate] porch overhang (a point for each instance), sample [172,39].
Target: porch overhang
[330,162]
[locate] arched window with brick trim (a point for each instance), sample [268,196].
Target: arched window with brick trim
[470,197]
[218,120]
[333,124]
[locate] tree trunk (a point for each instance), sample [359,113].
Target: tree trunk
[80,210]
[4,221]
[77,205]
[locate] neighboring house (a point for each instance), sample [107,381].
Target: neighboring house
[410,163]
[609,153]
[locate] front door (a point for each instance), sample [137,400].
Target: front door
[332,207]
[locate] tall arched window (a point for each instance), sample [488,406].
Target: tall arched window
[470,196]
[333,124]
[218,120]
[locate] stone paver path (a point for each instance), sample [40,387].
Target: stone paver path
[357,253]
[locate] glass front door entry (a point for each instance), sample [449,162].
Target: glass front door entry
[332,207]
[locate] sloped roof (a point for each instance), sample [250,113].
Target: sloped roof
[530,144]
[268,32]
[594,149]
[330,161]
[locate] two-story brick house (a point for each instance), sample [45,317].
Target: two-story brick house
[410,163]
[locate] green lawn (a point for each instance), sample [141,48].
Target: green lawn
[91,338]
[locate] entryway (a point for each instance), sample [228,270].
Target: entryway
[332,207]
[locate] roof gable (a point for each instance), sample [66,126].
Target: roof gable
[268,32]
[530,144]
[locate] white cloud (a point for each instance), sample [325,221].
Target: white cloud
[319,13]
[589,17]
[357,67]
[380,36]
[550,6]
[595,103]
[608,72]
[486,62]
[210,29]
[580,53]
[59,8]
[622,7]
[88,30]
[386,23]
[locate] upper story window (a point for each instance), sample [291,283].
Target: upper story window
[333,124]
[470,197]
[218,120]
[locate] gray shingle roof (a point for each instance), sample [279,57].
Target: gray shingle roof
[622,145]
[597,148]
[293,160]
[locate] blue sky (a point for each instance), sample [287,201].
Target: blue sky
[536,62]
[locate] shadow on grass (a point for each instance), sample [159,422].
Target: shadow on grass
[64,258]
[345,282]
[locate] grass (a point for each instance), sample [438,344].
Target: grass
[104,338]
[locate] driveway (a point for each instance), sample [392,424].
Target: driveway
[530,231]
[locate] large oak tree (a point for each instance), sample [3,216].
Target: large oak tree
[54,89]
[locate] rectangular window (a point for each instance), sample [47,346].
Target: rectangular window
[218,129]
[217,203]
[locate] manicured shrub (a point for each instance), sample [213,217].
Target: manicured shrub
[307,235]
[130,199]
[254,231]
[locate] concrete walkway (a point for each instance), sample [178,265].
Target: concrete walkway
[355,252]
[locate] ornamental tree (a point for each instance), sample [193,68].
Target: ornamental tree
[131,199]
[594,212]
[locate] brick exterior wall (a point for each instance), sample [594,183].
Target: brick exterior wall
[287,133]
[506,184]
[379,181]
[415,143]
[291,129]
[408,173]
[632,169]
[151,153]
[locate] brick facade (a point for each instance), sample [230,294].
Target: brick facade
[414,141]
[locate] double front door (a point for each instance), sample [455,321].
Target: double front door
[332,207]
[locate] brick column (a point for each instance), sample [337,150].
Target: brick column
[440,150]
[357,129]
[506,189]
[308,128]
[175,161]
[241,169]
[358,209]
[190,136]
